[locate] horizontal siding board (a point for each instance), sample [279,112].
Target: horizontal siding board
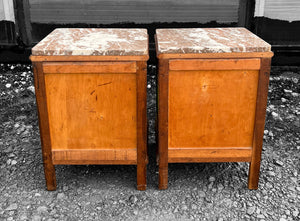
[288,10]
[104,12]
[120,2]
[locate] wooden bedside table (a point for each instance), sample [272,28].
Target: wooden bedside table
[213,88]
[91,95]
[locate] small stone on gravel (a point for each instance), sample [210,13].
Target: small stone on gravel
[23,217]
[194,206]
[133,199]
[208,199]
[250,210]
[278,163]
[201,194]
[275,115]
[220,186]
[271,173]
[184,207]
[11,207]
[296,212]
[41,209]
[283,99]
[212,179]
[260,216]
[31,88]
[269,185]
[65,188]
[60,196]
[36,218]
[8,149]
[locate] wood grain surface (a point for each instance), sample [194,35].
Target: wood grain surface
[89,67]
[92,111]
[41,99]
[214,64]
[212,108]
[205,154]
[141,110]
[163,100]
[94,156]
[260,115]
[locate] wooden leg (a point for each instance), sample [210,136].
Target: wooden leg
[141,125]
[141,176]
[39,82]
[261,104]
[50,177]
[163,89]
[163,178]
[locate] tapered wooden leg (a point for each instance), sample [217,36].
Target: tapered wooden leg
[141,176]
[163,89]
[261,104]
[50,177]
[163,178]
[39,82]
[141,125]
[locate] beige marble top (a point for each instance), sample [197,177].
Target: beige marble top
[93,41]
[208,40]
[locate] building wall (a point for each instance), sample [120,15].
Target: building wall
[278,22]
[7,23]
[133,11]
[286,10]
[7,10]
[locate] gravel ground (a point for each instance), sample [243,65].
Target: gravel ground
[204,191]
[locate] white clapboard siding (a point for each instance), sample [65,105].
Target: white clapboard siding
[136,11]
[287,10]
[7,10]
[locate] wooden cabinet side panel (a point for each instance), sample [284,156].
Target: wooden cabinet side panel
[212,108]
[90,111]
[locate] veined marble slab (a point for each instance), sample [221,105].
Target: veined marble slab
[93,41]
[209,40]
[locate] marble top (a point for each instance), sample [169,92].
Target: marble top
[93,41]
[209,40]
